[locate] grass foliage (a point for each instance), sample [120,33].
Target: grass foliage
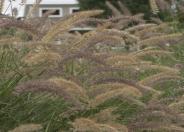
[125,75]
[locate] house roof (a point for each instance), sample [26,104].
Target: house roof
[54,2]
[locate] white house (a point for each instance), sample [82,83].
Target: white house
[21,7]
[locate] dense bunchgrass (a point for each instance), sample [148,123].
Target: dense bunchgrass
[103,80]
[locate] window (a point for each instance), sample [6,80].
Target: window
[55,12]
[58,12]
[74,9]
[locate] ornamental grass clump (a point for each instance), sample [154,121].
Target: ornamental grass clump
[114,78]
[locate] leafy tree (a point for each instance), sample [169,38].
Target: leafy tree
[135,6]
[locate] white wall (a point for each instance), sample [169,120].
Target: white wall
[21,7]
[15,4]
[54,2]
